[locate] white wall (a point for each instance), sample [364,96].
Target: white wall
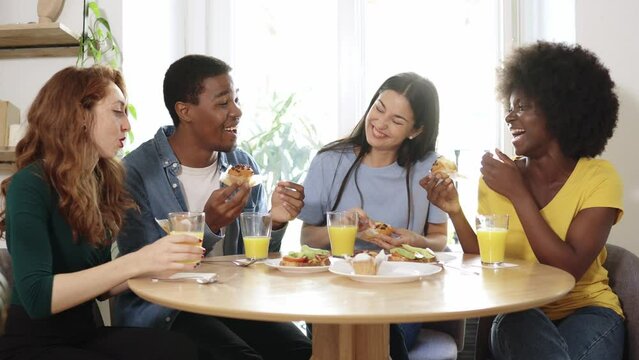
[147,55]
[20,79]
[610,28]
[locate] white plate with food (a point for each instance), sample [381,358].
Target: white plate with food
[275,263]
[388,271]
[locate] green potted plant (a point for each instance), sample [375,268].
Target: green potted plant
[97,43]
[99,46]
[284,150]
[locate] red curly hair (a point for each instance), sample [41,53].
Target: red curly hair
[92,197]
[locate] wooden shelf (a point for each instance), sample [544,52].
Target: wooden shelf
[7,158]
[37,40]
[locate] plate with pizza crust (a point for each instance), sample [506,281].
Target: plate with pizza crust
[275,263]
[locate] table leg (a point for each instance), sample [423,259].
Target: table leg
[350,342]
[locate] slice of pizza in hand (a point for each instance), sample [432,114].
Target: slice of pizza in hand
[445,166]
[240,174]
[380,228]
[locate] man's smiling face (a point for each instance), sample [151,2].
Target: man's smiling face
[215,118]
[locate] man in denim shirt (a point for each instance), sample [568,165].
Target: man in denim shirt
[179,170]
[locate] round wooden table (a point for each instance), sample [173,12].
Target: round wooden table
[350,319]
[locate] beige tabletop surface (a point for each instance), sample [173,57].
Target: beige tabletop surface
[351,319]
[259,292]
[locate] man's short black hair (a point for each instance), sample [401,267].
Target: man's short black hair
[183,80]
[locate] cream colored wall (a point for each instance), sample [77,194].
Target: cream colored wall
[610,28]
[20,79]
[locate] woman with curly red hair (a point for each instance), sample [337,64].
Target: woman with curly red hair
[63,209]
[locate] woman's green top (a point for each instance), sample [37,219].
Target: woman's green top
[40,241]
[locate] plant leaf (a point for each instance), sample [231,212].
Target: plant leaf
[95,9]
[132,111]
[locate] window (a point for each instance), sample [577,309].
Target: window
[332,55]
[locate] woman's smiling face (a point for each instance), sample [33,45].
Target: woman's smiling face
[390,121]
[527,124]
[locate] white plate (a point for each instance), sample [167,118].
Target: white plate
[445,256]
[275,263]
[388,272]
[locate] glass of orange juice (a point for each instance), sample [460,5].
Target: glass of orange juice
[256,232]
[187,223]
[491,234]
[342,231]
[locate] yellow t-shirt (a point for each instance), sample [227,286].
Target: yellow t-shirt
[593,183]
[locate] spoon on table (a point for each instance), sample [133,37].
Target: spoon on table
[197,279]
[238,262]
[200,278]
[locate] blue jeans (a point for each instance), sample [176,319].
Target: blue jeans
[592,332]
[410,332]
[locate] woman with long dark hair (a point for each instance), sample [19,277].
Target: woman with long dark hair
[378,167]
[376,171]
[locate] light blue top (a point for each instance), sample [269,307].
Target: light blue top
[151,179]
[382,192]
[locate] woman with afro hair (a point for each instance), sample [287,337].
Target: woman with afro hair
[561,200]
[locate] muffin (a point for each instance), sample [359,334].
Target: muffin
[364,264]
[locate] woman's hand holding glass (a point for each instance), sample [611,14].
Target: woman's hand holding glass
[169,255]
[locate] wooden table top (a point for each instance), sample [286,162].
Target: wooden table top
[259,292]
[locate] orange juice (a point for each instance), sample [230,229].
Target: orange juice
[342,239]
[256,247]
[492,245]
[196,234]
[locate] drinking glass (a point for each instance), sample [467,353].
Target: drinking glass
[342,231]
[187,223]
[491,234]
[256,232]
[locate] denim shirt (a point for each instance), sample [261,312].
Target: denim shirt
[151,179]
